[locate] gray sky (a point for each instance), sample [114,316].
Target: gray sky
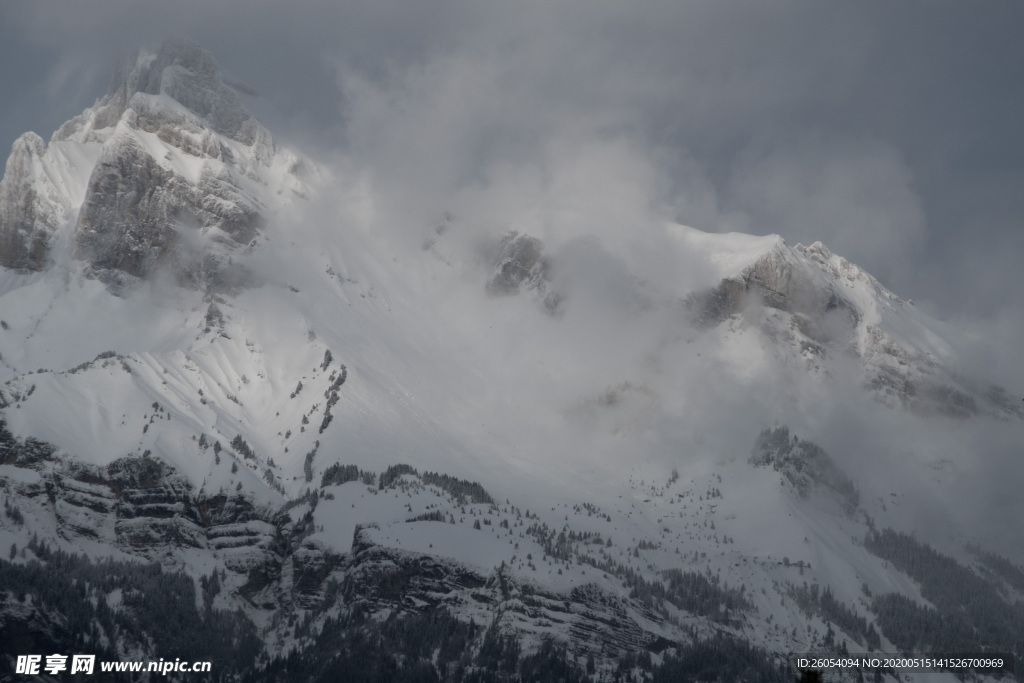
[889,130]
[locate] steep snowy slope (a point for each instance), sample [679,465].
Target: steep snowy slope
[215,358]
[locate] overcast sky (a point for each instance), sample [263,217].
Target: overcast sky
[892,131]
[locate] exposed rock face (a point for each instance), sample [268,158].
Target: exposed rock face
[168,170]
[185,73]
[143,507]
[803,464]
[135,208]
[519,264]
[383,580]
[127,221]
[21,453]
[810,296]
[31,207]
[780,280]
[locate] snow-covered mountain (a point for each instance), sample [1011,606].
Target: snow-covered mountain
[167,169]
[212,359]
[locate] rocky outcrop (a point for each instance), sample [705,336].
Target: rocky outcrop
[140,210]
[31,208]
[805,465]
[518,263]
[28,452]
[142,507]
[812,313]
[185,73]
[168,171]
[136,209]
[780,280]
[127,221]
[587,619]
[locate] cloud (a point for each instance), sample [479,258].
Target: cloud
[887,130]
[857,197]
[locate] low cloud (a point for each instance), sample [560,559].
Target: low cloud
[857,197]
[591,125]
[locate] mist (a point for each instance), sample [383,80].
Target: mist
[598,129]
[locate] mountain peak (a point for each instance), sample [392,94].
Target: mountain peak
[168,160]
[189,75]
[180,72]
